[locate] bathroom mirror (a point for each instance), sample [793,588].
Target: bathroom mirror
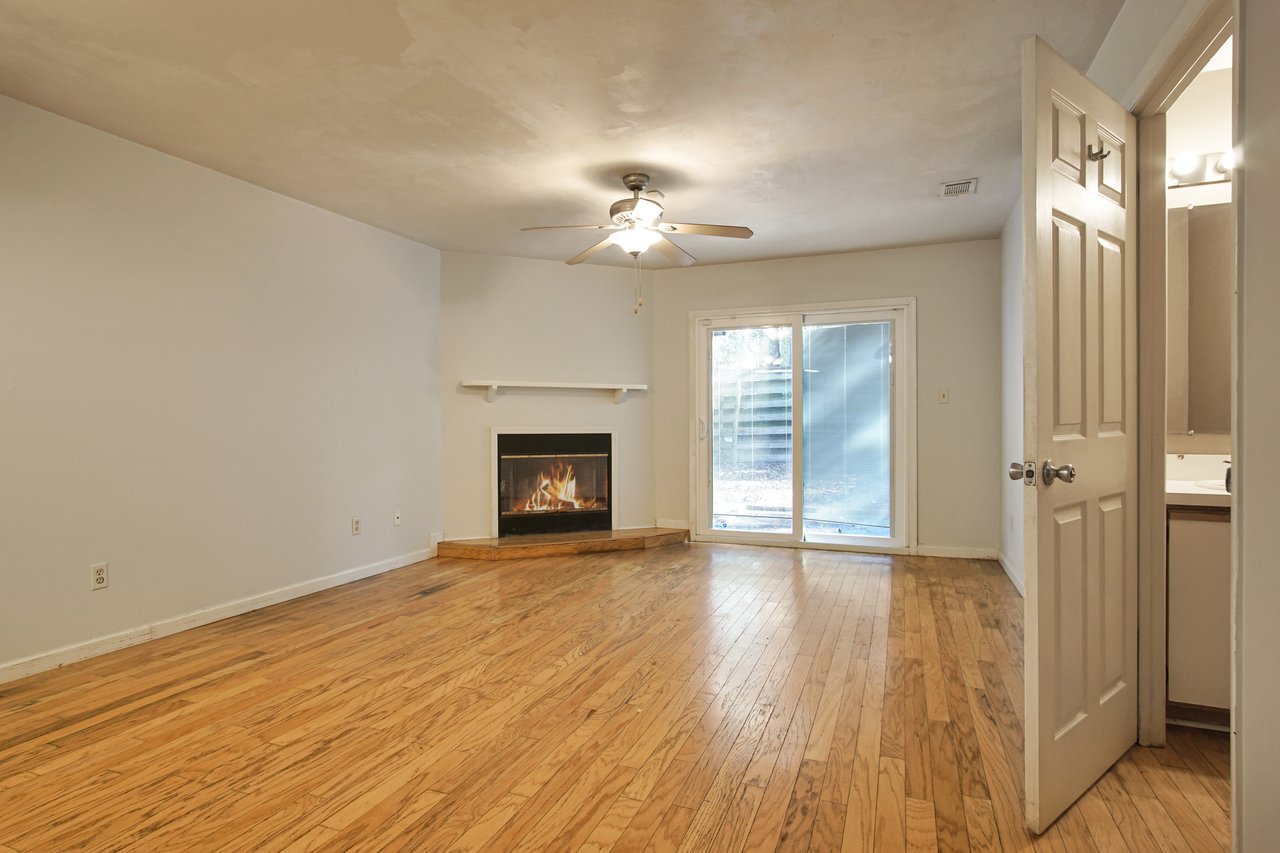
[1201,281]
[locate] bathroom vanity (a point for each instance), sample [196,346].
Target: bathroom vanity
[1199,620]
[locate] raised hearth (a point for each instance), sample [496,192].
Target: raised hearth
[560,544]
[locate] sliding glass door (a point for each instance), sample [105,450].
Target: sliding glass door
[751,427]
[848,430]
[802,427]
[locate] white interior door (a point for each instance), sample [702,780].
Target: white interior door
[1080,226]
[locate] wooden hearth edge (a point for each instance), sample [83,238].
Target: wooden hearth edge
[522,547]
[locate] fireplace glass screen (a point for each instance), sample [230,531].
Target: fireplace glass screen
[553,483]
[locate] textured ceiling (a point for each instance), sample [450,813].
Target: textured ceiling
[825,125]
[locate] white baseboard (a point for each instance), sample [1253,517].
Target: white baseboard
[1018,583]
[677,523]
[957,553]
[22,667]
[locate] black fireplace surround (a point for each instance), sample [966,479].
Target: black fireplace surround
[554,482]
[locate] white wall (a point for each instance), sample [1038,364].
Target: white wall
[1141,39]
[542,321]
[1013,493]
[1199,122]
[957,287]
[201,382]
[1256,746]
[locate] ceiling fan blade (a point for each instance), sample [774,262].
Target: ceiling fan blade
[673,252]
[566,227]
[707,230]
[582,256]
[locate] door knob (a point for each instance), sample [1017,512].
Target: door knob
[1066,473]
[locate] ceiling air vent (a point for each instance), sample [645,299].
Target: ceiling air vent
[952,189]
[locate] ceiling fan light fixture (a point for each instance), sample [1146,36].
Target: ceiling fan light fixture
[641,211]
[646,211]
[637,226]
[634,241]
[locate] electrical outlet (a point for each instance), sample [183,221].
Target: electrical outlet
[944,396]
[396,520]
[355,526]
[98,576]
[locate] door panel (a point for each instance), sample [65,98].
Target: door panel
[1111,169]
[1068,139]
[1068,326]
[848,430]
[751,429]
[1068,568]
[1080,397]
[1114,515]
[1111,283]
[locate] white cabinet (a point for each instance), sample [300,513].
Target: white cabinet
[1200,607]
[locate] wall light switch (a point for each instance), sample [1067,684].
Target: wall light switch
[944,396]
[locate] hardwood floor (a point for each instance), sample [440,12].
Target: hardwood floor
[693,697]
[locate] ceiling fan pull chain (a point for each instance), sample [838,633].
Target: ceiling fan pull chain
[635,305]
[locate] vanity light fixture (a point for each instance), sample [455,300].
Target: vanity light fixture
[1194,169]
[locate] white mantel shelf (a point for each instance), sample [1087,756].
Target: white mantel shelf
[491,387]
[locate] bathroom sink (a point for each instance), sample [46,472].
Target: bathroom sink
[1212,485]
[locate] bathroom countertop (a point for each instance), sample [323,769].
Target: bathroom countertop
[1188,493]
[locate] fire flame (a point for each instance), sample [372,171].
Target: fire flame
[556,489]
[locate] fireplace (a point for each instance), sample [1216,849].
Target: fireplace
[554,482]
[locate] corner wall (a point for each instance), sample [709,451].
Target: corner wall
[957,288]
[201,383]
[1013,493]
[541,321]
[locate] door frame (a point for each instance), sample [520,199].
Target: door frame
[1202,41]
[907,388]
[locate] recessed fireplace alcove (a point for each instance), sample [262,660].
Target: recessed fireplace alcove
[562,485]
[553,482]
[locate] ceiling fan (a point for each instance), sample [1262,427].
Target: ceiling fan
[637,226]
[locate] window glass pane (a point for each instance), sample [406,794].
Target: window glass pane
[751,429]
[847,430]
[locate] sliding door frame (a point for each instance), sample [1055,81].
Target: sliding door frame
[904,488]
